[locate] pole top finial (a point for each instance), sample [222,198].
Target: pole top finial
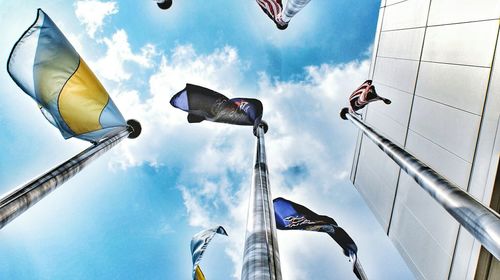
[343,113]
[165,4]
[262,124]
[135,128]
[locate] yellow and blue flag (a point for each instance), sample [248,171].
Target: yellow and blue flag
[45,65]
[198,274]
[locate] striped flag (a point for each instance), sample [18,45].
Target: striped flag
[273,9]
[199,244]
[45,65]
[363,95]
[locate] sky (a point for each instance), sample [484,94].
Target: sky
[132,212]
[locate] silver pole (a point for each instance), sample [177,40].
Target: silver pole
[482,222]
[357,268]
[292,7]
[261,255]
[22,198]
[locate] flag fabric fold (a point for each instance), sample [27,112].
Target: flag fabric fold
[292,216]
[44,64]
[205,104]
[363,95]
[199,244]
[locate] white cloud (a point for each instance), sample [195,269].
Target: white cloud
[306,135]
[309,148]
[165,130]
[197,215]
[113,65]
[119,58]
[92,14]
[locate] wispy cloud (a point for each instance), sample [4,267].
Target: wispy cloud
[306,139]
[92,14]
[216,159]
[166,139]
[115,65]
[112,66]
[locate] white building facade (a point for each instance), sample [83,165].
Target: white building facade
[439,63]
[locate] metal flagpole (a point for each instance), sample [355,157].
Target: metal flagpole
[261,255]
[357,268]
[22,198]
[482,222]
[292,7]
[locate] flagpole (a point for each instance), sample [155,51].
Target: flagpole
[261,255]
[481,221]
[21,199]
[358,268]
[292,7]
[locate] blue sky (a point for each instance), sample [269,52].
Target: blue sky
[131,213]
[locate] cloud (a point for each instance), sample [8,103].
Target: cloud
[306,135]
[306,140]
[197,215]
[113,66]
[92,14]
[166,137]
[309,149]
[116,65]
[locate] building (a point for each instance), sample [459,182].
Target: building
[439,63]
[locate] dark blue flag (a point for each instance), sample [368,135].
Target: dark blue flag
[205,104]
[292,216]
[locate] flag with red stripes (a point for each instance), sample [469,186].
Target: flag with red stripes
[363,95]
[272,8]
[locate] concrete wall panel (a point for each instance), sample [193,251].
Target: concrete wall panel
[454,11]
[396,73]
[406,14]
[377,181]
[467,43]
[463,87]
[452,129]
[406,43]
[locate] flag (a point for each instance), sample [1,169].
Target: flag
[199,244]
[205,104]
[363,95]
[273,9]
[198,273]
[45,65]
[292,216]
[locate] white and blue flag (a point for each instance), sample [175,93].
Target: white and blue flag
[199,244]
